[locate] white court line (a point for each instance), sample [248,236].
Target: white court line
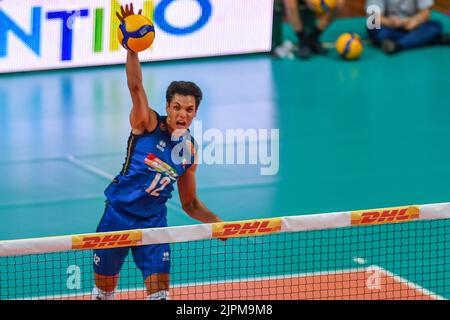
[194,284]
[93,169]
[51,201]
[411,284]
[99,172]
[109,154]
[401,280]
[280,277]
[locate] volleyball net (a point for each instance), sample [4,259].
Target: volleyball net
[390,253]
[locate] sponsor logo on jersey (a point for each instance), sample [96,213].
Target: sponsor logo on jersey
[96,259]
[160,166]
[166,256]
[387,215]
[107,240]
[246,228]
[161,145]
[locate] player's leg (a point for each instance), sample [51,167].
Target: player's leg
[424,35]
[323,22]
[277,31]
[292,10]
[157,285]
[107,265]
[378,36]
[386,38]
[317,24]
[106,284]
[108,262]
[154,263]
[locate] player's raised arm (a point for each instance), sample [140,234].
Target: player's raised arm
[142,118]
[190,202]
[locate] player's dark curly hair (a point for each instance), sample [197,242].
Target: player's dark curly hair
[185,88]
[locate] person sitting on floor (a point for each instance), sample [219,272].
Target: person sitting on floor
[406,24]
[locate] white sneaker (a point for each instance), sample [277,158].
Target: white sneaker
[280,52]
[288,45]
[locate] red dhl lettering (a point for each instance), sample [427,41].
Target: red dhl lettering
[246,228]
[230,229]
[385,216]
[105,241]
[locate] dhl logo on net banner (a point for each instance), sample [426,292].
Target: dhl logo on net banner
[246,228]
[386,215]
[107,240]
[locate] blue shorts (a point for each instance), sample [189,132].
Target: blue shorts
[149,259]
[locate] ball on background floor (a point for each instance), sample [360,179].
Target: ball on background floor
[349,46]
[136,33]
[322,6]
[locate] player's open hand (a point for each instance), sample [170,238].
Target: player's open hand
[126,11]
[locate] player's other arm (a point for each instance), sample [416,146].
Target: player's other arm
[142,117]
[190,202]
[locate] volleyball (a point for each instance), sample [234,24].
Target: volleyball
[136,33]
[349,46]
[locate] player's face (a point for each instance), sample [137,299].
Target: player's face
[181,111]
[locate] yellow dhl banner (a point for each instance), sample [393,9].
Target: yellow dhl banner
[386,215]
[107,240]
[246,228]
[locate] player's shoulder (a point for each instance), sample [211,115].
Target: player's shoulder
[160,124]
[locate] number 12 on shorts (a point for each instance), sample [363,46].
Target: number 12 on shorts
[164,182]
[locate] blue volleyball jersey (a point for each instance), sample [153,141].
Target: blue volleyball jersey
[150,170]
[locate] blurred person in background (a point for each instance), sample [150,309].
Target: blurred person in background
[307,25]
[406,24]
[280,48]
